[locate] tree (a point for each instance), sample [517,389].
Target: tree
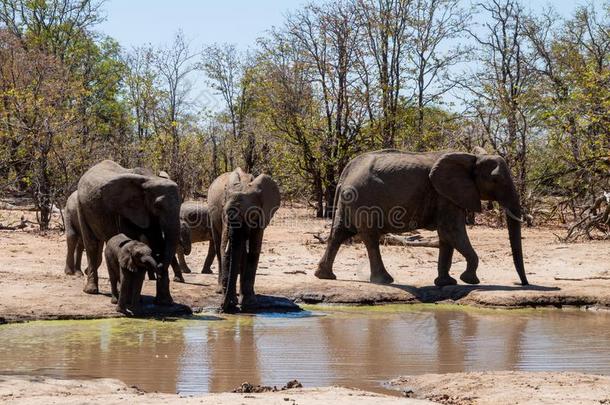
[231,78]
[385,34]
[434,23]
[36,118]
[327,37]
[502,86]
[175,64]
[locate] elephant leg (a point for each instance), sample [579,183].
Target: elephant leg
[223,261]
[151,275]
[184,268]
[325,267]
[462,245]
[379,274]
[125,291]
[94,260]
[78,256]
[114,285]
[246,282]
[136,291]
[163,295]
[93,247]
[445,254]
[209,259]
[177,271]
[72,242]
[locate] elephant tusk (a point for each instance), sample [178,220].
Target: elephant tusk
[513,216]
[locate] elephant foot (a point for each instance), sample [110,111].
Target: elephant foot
[443,281]
[470,277]
[114,300]
[127,311]
[382,278]
[248,303]
[91,288]
[219,289]
[73,272]
[186,270]
[179,278]
[325,274]
[207,271]
[229,307]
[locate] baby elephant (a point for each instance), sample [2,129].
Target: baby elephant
[128,261]
[195,217]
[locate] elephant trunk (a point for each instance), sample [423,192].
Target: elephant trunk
[513,215]
[236,247]
[150,264]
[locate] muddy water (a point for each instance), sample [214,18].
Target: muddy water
[351,347]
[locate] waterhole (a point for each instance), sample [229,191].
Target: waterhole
[350,347]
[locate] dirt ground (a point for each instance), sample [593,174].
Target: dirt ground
[33,284]
[497,388]
[506,387]
[44,390]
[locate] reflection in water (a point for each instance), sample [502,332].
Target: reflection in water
[359,349]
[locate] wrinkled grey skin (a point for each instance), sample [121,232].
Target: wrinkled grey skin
[392,191]
[240,208]
[128,262]
[196,227]
[73,236]
[113,200]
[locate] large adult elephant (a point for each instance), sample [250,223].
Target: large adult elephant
[393,191]
[240,208]
[113,200]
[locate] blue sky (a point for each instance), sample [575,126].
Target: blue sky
[137,22]
[239,22]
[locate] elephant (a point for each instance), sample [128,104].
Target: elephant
[74,239]
[113,200]
[76,247]
[128,261]
[393,191]
[195,225]
[240,208]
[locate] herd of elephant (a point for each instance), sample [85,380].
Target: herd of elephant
[146,227]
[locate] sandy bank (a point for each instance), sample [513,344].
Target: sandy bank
[33,285]
[506,387]
[45,390]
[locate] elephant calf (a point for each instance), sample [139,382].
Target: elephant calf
[128,261]
[195,228]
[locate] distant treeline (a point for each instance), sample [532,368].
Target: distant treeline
[334,80]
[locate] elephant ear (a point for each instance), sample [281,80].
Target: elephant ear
[125,196]
[452,176]
[125,256]
[269,194]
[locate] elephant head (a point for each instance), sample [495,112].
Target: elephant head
[136,256]
[466,179]
[247,213]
